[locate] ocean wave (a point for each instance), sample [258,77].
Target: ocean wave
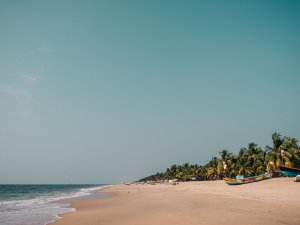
[40,209]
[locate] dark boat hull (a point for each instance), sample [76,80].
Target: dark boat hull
[289,172]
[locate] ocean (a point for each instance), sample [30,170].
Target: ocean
[39,204]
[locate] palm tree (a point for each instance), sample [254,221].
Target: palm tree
[290,145]
[179,173]
[214,169]
[173,170]
[225,158]
[187,174]
[243,166]
[256,156]
[197,172]
[167,174]
[284,152]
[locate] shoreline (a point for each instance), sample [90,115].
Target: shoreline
[67,202]
[274,201]
[38,204]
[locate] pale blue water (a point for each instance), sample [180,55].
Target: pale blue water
[38,204]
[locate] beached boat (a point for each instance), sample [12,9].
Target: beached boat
[289,171]
[241,180]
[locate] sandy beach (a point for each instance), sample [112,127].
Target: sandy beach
[274,201]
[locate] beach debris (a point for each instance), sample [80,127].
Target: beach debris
[173,182]
[297,178]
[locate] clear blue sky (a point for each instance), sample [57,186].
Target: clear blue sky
[107,91]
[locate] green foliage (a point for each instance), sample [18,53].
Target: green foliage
[250,161]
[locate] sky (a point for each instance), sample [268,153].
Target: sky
[113,91]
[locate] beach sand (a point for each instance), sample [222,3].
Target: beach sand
[270,202]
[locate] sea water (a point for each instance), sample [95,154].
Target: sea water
[38,204]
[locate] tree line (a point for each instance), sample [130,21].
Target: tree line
[250,161]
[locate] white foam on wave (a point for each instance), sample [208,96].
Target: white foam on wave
[40,210]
